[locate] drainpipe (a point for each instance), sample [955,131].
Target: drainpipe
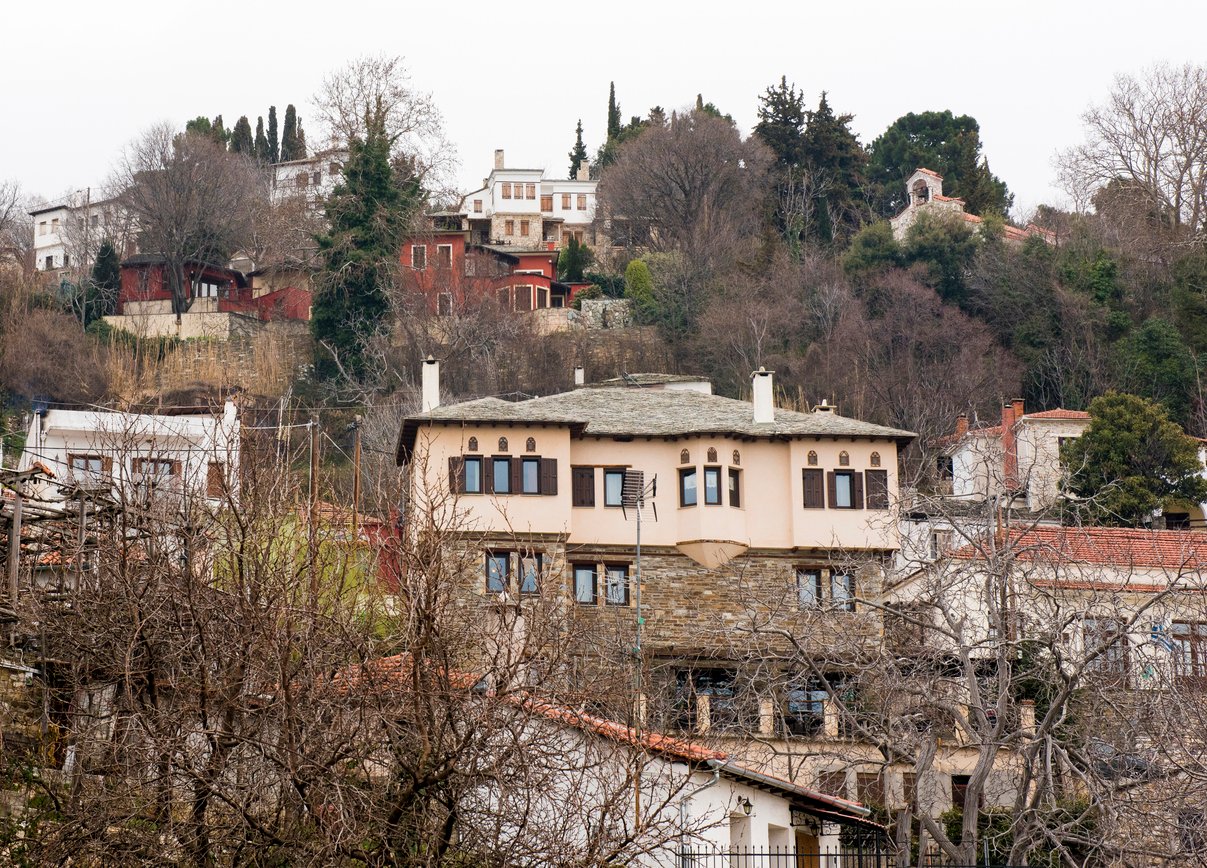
[715,765]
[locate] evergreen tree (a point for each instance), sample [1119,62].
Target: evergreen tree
[639,289]
[100,298]
[241,140]
[368,213]
[274,145]
[782,123]
[578,154]
[709,109]
[289,136]
[947,247]
[263,152]
[301,140]
[218,132]
[573,259]
[613,113]
[836,163]
[1154,362]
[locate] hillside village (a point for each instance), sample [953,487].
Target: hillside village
[754,497]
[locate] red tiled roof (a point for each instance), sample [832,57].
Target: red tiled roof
[939,198]
[1058,413]
[930,172]
[1106,546]
[971,218]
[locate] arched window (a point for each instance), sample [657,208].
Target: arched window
[844,460]
[812,458]
[875,459]
[473,444]
[737,457]
[685,457]
[712,455]
[502,444]
[530,445]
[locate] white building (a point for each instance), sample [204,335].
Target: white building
[925,191]
[68,231]
[193,454]
[311,178]
[524,208]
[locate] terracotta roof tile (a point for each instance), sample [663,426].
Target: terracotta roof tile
[1105,546]
[1058,413]
[930,172]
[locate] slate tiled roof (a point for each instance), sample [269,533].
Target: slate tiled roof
[612,412]
[1105,546]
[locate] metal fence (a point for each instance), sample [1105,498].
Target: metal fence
[787,857]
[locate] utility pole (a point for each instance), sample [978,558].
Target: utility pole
[314,508]
[14,550]
[355,473]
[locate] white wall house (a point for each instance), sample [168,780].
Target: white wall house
[68,231]
[312,178]
[190,455]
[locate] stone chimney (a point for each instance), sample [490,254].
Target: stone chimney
[580,376]
[583,172]
[961,425]
[498,158]
[762,388]
[431,385]
[1012,412]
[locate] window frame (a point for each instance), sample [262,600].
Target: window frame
[686,473]
[734,483]
[608,570]
[813,575]
[495,461]
[844,602]
[479,462]
[613,472]
[444,256]
[847,476]
[503,558]
[419,257]
[715,472]
[527,462]
[593,571]
[537,560]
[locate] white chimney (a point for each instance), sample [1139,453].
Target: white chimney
[580,376]
[431,385]
[498,158]
[764,402]
[583,172]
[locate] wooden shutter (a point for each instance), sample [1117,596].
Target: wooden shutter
[215,479]
[857,490]
[814,495]
[582,483]
[175,468]
[107,465]
[831,489]
[517,476]
[877,485]
[488,478]
[456,474]
[548,476]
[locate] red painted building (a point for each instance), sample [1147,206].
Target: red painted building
[455,274]
[144,282]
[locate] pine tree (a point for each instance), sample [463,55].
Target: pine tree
[274,146]
[368,213]
[578,154]
[218,132]
[289,135]
[241,140]
[263,153]
[613,113]
[833,156]
[101,292]
[782,122]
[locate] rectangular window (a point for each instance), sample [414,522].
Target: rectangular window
[846,489]
[418,257]
[49,263]
[444,304]
[842,591]
[497,566]
[805,709]
[530,574]
[959,790]
[215,479]
[584,584]
[501,475]
[530,191]
[712,486]
[531,476]
[808,588]
[833,783]
[507,191]
[877,485]
[155,467]
[546,203]
[54,225]
[582,483]
[473,476]
[1189,643]
[503,296]
[542,298]
[687,486]
[869,788]
[616,585]
[523,297]
[444,255]
[613,487]
[815,497]
[42,228]
[565,201]
[524,228]
[509,227]
[582,201]
[1105,648]
[477,206]
[93,465]
[735,487]
[945,468]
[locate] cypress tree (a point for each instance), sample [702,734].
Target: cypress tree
[301,145]
[218,132]
[263,154]
[613,112]
[289,135]
[241,140]
[368,213]
[100,297]
[274,145]
[578,154]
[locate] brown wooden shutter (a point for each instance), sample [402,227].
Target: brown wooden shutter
[814,493]
[548,476]
[215,479]
[488,478]
[582,483]
[517,476]
[857,490]
[456,474]
[877,485]
[831,489]
[175,468]
[107,465]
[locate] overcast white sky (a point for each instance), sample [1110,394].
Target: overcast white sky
[82,78]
